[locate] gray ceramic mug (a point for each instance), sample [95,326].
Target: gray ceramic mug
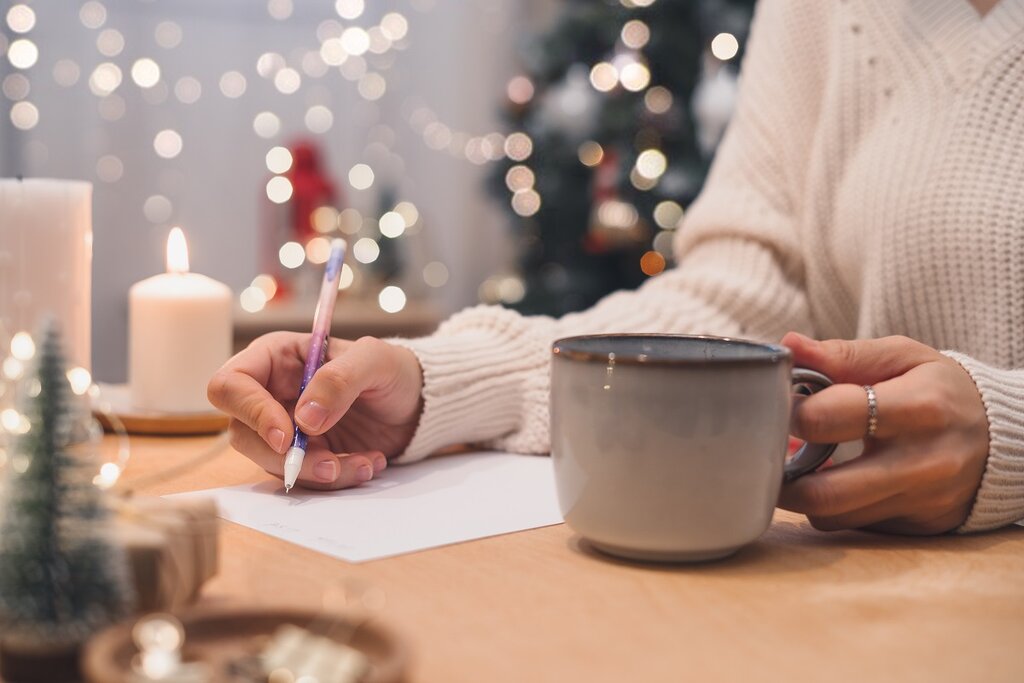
[673,448]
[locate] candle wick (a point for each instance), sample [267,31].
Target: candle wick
[19,177]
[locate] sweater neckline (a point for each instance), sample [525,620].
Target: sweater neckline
[965,40]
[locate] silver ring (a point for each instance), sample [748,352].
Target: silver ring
[872,410]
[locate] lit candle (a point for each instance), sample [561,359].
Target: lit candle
[46,260]
[180,333]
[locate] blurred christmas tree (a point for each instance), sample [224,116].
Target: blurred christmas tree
[61,578]
[615,121]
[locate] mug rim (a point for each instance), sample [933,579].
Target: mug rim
[775,352]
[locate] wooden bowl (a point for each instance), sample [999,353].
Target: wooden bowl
[225,634]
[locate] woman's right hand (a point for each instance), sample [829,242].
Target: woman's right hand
[361,407]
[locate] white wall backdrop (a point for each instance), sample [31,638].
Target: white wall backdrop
[456,60]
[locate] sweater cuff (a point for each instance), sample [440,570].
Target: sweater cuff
[1000,498]
[479,371]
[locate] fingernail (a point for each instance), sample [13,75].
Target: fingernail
[326,470]
[311,416]
[276,439]
[379,463]
[364,473]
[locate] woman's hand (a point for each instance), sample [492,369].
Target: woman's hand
[921,470]
[360,408]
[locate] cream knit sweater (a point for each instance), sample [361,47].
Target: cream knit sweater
[871,183]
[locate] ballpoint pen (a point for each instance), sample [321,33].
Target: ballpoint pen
[317,352]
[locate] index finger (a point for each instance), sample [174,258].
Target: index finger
[239,389]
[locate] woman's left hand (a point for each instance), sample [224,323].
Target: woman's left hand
[921,470]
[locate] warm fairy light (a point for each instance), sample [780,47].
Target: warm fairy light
[360,176]
[177,252]
[394,25]
[348,276]
[80,380]
[658,100]
[333,52]
[724,46]
[266,124]
[667,214]
[110,42]
[324,219]
[635,34]
[372,86]
[66,72]
[392,224]
[617,214]
[313,66]
[168,35]
[635,76]
[109,168]
[511,290]
[269,63]
[435,274]
[391,299]
[105,79]
[652,263]
[92,14]
[157,208]
[640,182]
[21,18]
[22,53]
[22,346]
[167,143]
[379,41]
[349,9]
[291,255]
[232,84]
[590,153]
[355,40]
[519,178]
[366,250]
[518,146]
[13,368]
[520,90]
[604,77]
[651,164]
[663,242]
[350,221]
[279,189]
[318,250]
[319,119]
[188,90]
[266,284]
[354,68]
[145,72]
[24,115]
[252,299]
[409,213]
[287,80]
[110,472]
[13,421]
[526,203]
[280,9]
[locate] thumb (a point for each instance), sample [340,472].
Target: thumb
[862,361]
[338,384]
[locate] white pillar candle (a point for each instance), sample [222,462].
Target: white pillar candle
[46,260]
[180,333]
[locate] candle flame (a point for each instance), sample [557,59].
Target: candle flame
[177,252]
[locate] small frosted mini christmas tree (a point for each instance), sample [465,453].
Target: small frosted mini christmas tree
[61,577]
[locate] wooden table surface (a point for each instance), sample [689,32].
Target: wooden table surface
[798,605]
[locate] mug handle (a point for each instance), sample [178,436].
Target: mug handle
[811,455]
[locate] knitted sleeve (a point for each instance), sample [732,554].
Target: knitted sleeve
[1000,499]
[739,273]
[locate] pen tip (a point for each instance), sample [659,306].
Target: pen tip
[287,488]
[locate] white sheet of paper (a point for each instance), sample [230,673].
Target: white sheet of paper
[435,502]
